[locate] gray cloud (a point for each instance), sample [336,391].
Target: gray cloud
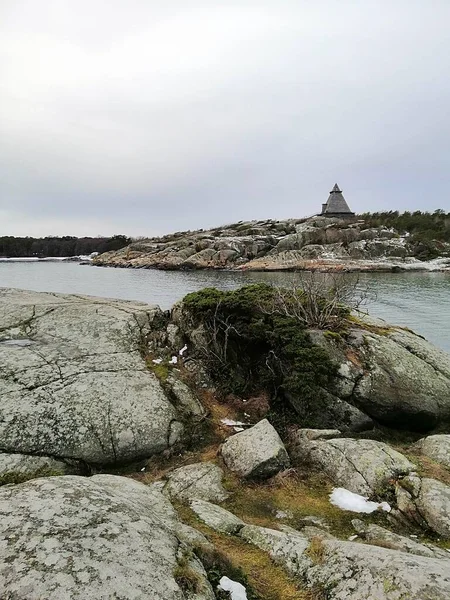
[145,117]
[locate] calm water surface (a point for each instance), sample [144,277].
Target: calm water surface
[420,301]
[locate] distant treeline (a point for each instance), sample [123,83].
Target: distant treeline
[19,247]
[423,226]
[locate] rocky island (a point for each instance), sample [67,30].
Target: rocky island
[335,240]
[254,437]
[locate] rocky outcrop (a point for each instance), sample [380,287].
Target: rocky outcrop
[390,374]
[436,447]
[354,571]
[425,502]
[316,243]
[380,536]
[361,466]
[102,537]
[73,381]
[345,570]
[199,480]
[257,453]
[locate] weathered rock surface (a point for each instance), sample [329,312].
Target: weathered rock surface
[380,536]
[103,537]
[256,453]
[393,375]
[72,380]
[200,480]
[354,571]
[361,466]
[16,468]
[217,517]
[315,243]
[184,398]
[425,502]
[350,570]
[436,447]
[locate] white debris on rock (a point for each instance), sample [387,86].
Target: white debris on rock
[347,500]
[232,423]
[173,360]
[237,590]
[157,361]
[183,350]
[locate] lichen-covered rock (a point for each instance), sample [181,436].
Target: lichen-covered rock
[406,383]
[380,536]
[361,466]
[101,537]
[354,571]
[425,502]
[184,398]
[73,382]
[17,468]
[217,517]
[436,447]
[256,453]
[199,480]
[390,374]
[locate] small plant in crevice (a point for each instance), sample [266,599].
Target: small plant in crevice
[186,577]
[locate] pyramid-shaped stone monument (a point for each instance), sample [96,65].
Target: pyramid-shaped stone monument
[336,206]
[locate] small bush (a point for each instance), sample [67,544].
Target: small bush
[254,345]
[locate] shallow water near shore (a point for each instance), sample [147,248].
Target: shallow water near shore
[420,301]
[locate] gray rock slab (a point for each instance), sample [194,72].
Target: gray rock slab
[81,390]
[377,535]
[185,399]
[88,538]
[354,571]
[425,502]
[16,468]
[199,480]
[257,452]
[217,517]
[436,447]
[361,466]
[406,381]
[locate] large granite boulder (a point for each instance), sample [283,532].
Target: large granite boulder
[101,537]
[256,453]
[73,381]
[393,375]
[425,502]
[436,447]
[361,466]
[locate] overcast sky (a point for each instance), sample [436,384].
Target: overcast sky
[147,116]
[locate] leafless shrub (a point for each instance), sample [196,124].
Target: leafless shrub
[319,300]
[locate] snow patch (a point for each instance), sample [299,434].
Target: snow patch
[347,500]
[237,590]
[173,360]
[183,350]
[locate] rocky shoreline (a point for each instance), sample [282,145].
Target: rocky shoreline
[129,470]
[318,243]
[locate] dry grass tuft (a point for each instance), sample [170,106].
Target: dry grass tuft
[316,550]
